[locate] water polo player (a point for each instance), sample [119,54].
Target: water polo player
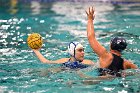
[111,61]
[76,60]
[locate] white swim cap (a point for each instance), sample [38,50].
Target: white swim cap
[73,46]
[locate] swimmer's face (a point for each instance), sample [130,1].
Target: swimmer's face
[79,54]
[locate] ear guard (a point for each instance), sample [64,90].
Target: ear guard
[72,47]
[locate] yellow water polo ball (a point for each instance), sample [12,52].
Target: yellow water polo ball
[35,41]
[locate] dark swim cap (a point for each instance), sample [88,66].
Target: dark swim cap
[118,43]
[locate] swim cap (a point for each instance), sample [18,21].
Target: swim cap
[72,47]
[118,43]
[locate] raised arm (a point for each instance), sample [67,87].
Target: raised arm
[95,45]
[44,60]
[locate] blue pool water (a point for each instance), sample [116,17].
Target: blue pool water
[60,23]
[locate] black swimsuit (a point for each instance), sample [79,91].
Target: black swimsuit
[115,67]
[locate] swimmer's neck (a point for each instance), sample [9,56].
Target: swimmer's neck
[72,59]
[115,52]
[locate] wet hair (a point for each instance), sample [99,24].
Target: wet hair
[118,43]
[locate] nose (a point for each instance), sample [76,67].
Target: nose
[83,52]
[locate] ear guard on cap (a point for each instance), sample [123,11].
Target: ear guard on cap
[72,47]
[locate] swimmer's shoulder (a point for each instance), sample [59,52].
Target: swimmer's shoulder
[88,62]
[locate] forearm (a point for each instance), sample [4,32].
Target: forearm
[90,29]
[129,65]
[133,66]
[41,57]
[82,75]
[95,45]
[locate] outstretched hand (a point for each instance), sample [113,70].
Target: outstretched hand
[90,13]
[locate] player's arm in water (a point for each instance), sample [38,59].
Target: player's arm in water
[59,61]
[89,80]
[45,72]
[45,60]
[129,65]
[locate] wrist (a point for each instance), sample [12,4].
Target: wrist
[35,50]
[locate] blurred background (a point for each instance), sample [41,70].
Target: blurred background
[60,22]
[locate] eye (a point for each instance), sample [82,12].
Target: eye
[80,50]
